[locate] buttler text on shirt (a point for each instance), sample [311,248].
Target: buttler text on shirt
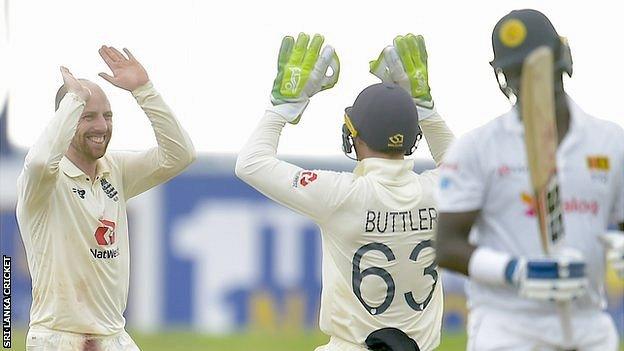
[400,221]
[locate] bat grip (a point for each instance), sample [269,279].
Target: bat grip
[565,316]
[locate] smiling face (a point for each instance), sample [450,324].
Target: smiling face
[95,126]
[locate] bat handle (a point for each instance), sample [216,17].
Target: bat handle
[565,317]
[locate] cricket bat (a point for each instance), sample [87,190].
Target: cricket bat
[537,99]
[537,106]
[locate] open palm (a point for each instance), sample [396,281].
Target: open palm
[73,85]
[128,73]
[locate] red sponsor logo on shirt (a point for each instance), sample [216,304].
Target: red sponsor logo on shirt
[572,205]
[505,170]
[307,177]
[450,166]
[105,234]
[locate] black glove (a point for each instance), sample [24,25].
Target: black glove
[390,339]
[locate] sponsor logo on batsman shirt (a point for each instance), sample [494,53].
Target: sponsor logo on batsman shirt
[573,205]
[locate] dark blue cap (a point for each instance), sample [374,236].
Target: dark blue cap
[385,117]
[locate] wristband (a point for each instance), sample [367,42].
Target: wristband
[424,113]
[490,266]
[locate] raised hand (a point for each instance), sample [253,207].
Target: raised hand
[405,63]
[302,71]
[128,73]
[73,85]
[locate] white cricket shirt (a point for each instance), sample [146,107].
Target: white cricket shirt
[378,226]
[75,229]
[487,170]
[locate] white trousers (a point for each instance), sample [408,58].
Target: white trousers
[491,329]
[43,339]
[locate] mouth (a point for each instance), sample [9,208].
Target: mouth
[97,139]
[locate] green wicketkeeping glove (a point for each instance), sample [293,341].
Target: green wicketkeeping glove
[405,63]
[301,73]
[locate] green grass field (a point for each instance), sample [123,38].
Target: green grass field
[189,341]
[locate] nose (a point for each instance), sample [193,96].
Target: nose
[100,124]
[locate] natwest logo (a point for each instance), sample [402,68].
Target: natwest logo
[573,205]
[105,234]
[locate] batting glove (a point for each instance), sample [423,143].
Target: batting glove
[301,73]
[614,246]
[405,63]
[560,278]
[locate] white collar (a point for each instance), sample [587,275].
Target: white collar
[384,168]
[578,119]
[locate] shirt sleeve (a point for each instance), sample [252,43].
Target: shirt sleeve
[462,182]
[618,210]
[438,135]
[314,193]
[41,165]
[142,171]
[617,213]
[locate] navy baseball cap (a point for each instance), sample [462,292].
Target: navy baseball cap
[385,117]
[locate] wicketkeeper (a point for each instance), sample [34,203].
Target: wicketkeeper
[381,287]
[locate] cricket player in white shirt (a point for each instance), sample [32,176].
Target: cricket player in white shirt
[381,289]
[488,228]
[71,208]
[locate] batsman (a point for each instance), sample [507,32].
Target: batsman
[527,290]
[381,288]
[71,208]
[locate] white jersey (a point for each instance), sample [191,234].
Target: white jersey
[75,229]
[487,170]
[378,226]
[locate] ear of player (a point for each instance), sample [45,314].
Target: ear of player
[557,278]
[302,71]
[405,63]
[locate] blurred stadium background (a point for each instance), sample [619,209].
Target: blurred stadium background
[216,265]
